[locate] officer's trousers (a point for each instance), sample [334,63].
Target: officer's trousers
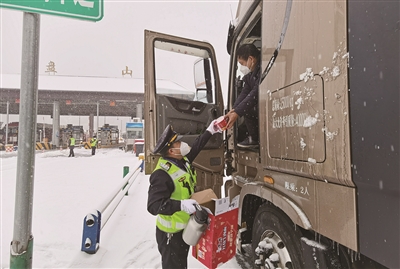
[71,151]
[174,251]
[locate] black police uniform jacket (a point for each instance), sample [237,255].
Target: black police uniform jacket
[161,185]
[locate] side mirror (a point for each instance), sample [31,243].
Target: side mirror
[229,40]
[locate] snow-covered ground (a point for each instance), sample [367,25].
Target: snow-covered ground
[65,191]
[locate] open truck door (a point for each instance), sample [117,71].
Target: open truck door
[182,88]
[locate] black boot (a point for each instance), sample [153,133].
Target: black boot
[248,143]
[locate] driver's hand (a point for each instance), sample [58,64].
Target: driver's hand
[231,117]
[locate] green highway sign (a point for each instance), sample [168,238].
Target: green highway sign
[91,10]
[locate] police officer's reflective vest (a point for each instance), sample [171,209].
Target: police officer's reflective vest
[93,142]
[184,182]
[72,141]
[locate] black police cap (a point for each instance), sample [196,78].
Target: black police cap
[168,137]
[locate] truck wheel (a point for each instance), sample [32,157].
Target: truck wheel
[276,242]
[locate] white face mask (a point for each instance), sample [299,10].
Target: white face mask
[184,148]
[244,69]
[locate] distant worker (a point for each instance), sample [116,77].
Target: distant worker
[172,183]
[93,144]
[141,157]
[71,145]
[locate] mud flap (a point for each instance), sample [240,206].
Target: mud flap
[314,254]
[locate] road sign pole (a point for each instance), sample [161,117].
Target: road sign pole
[22,244]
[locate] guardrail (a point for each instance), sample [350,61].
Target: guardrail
[96,220]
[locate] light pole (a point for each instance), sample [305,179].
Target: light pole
[7,121]
[44,131]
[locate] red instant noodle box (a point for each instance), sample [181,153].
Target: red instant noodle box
[218,243]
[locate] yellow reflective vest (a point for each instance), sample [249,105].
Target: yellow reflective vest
[72,141]
[184,182]
[93,142]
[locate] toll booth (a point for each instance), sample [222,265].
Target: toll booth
[64,134]
[44,133]
[12,134]
[134,130]
[108,135]
[77,132]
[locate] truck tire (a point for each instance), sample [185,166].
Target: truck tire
[276,241]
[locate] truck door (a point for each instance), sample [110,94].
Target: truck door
[182,88]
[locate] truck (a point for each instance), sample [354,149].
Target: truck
[134,130]
[322,189]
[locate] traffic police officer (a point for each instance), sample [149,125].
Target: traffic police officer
[71,145]
[93,144]
[171,184]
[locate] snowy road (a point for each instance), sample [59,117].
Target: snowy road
[65,190]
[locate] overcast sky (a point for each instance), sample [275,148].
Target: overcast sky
[104,48]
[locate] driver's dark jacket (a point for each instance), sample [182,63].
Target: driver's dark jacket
[248,97]
[162,186]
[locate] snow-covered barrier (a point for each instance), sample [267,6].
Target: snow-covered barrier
[94,222]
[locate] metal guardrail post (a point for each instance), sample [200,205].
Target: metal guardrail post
[91,232]
[125,172]
[94,222]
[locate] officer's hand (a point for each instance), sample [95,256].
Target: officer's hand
[188,205]
[212,128]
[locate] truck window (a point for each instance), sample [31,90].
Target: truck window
[178,66]
[186,88]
